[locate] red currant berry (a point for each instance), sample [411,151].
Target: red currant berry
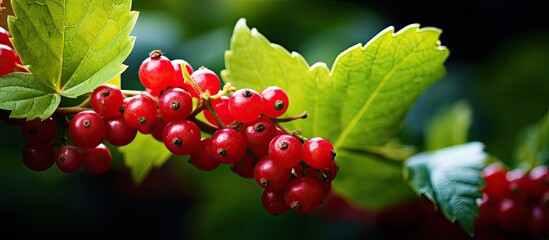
[182,137]
[497,186]
[87,129]
[158,127]
[157,72]
[207,80]
[519,184]
[245,166]
[38,131]
[273,202]
[5,37]
[119,133]
[245,105]
[221,107]
[227,145]
[179,80]
[275,101]
[140,112]
[318,152]
[511,215]
[285,150]
[175,104]
[8,58]
[203,158]
[68,158]
[258,134]
[96,160]
[38,156]
[486,211]
[107,100]
[271,176]
[303,195]
[539,177]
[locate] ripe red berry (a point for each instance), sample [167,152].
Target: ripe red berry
[539,178]
[175,104]
[303,195]
[271,176]
[119,133]
[497,185]
[245,166]
[207,80]
[258,134]
[8,58]
[245,105]
[227,145]
[285,150]
[156,72]
[318,152]
[87,129]
[140,112]
[38,131]
[221,107]
[203,158]
[275,101]
[5,37]
[179,80]
[182,137]
[106,100]
[68,158]
[273,202]
[96,160]
[38,156]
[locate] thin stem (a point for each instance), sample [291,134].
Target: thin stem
[188,79]
[296,133]
[208,104]
[226,89]
[197,110]
[64,111]
[21,67]
[292,118]
[207,128]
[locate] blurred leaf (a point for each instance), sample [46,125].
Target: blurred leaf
[71,52]
[534,148]
[360,103]
[142,154]
[448,127]
[451,179]
[26,97]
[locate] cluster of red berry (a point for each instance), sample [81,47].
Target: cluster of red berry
[245,128]
[515,200]
[9,59]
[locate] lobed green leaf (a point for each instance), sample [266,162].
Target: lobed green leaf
[448,127]
[451,179]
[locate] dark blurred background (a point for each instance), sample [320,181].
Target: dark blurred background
[499,63]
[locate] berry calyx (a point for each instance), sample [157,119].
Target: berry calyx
[87,129]
[227,145]
[245,105]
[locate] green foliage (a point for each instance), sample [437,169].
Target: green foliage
[534,147]
[142,154]
[449,127]
[360,103]
[451,179]
[70,47]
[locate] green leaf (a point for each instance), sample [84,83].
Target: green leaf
[364,98]
[361,102]
[534,147]
[448,127]
[72,46]
[28,98]
[451,179]
[142,154]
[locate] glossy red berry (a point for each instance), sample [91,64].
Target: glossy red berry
[140,112]
[5,37]
[203,158]
[275,101]
[245,166]
[37,156]
[318,152]
[38,131]
[271,176]
[156,72]
[245,105]
[87,129]
[303,195]
[258,134]
[96,160]
[8,58]
[221,107]
[179,80]
[68,158]
[106,100]
[496,185]
[119,133]
[539,178]
[285,150]
[227,145]
[207,80]
[182,137]
[273,202]
[175,104]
